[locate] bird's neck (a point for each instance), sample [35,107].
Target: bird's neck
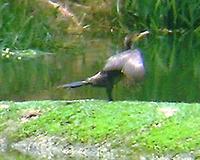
[128,46]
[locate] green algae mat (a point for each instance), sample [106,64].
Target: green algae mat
[150,127]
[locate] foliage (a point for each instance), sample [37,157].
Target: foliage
[27,28]
[28,24]
[156,14]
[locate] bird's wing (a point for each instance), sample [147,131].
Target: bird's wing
[117,61]
[134,68]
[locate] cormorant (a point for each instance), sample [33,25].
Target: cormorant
[128,63]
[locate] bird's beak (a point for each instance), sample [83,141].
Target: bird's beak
[142,34]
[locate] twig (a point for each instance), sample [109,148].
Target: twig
[65,12]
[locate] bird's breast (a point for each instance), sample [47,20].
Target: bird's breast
[100,79]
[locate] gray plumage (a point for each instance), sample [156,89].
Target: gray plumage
[128,64]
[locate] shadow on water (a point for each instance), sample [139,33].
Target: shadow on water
[172,62]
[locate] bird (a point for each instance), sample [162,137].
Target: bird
[129,64]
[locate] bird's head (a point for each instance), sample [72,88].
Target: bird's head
[134,37]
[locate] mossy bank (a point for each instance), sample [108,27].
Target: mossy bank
[133,128]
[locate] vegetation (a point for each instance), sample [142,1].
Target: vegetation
[171,14]
[30,31]
[153,127]
[29,25]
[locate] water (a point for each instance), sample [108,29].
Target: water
[172,62]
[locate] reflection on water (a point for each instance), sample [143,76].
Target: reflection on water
[172,62]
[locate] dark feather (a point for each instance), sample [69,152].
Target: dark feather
[128,63]
[73,84]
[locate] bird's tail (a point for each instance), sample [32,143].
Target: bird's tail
[73,84]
